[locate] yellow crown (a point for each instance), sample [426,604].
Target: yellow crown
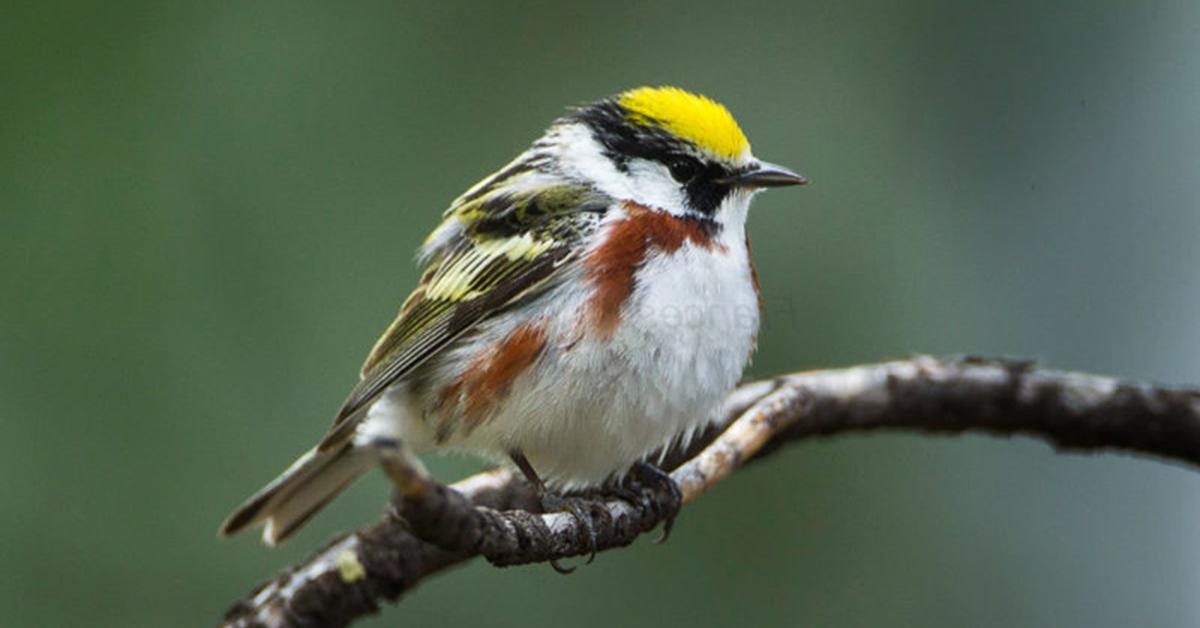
[695,118]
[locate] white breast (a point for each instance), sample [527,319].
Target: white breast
[595,406]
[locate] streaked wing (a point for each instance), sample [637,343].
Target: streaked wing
[507,245]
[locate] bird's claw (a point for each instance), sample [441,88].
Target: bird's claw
[660,482]
[575,507]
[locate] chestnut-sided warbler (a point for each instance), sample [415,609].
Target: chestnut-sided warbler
[589,303]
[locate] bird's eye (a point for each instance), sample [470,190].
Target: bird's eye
[682,170]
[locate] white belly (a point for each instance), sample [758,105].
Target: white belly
[592,407]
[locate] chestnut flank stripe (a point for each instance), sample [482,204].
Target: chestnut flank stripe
[754,276]
[489,376]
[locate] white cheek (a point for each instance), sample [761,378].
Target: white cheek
[655,187]
[644,181]
[581,155]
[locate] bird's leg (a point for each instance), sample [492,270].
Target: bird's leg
[552,502]
[526,469]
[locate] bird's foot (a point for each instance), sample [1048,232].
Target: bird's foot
[645,475]
[578,508]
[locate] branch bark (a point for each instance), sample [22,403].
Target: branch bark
[495,514]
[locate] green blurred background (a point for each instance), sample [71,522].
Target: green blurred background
[208,212]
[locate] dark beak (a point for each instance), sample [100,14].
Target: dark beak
[765,175]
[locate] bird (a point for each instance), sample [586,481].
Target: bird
[591,302]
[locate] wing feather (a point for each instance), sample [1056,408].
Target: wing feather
[483,271]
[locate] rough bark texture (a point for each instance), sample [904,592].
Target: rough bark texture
[495,515]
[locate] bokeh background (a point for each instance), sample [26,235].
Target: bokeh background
[208,212]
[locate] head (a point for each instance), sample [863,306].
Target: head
[667,149]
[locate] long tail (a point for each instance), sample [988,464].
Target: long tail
[299,492]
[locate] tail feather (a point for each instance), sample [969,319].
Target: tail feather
[299,492]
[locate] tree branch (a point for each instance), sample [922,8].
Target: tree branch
[495,515]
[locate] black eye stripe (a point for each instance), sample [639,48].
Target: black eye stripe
[703,192]
[623,141]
